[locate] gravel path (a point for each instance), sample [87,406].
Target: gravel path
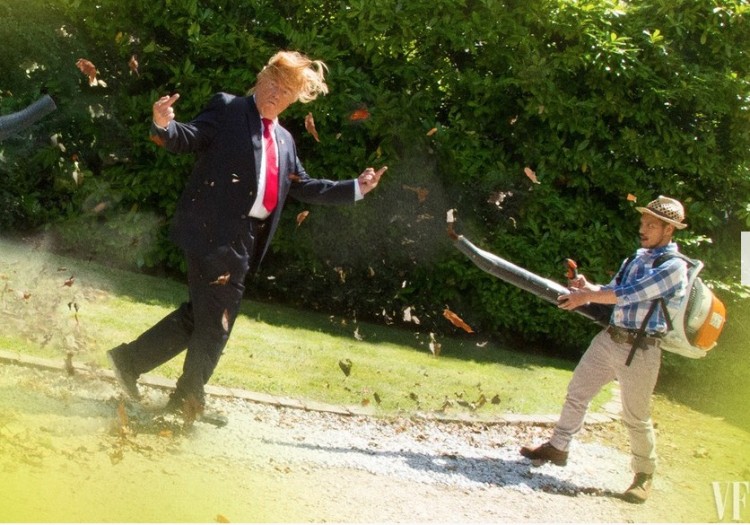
[71,450]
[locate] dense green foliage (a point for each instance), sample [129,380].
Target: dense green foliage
[599,98]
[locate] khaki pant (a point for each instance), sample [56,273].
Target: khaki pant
[603,362]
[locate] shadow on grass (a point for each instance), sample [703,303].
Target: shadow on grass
[171,291]
[468,348]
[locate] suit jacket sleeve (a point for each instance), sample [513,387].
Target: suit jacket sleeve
[197,134]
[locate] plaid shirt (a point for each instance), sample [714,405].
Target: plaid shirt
[640,284]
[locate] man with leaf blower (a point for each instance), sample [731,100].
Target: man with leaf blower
[246,165]
[628,350]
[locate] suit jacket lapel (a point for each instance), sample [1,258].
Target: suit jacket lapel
[283,164]
[256,133]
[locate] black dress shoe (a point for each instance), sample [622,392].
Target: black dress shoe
[126,379]
[195,411]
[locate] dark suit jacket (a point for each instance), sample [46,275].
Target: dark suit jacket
[226,138]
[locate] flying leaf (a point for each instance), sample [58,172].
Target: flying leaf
[432,132]
[435,347]
[222,279]
[122,418]
[346,366]
[457,321]
[409,318]
[632,198]
[421,192]
[191,409]
[89,69]
[301,216]
[359,114]
[310,126]
[133,65]
[376,397]
[294,177]
[498,198]
[156,139]
[357,335]
[77,174]
[531,175]
[225,320]
[69,282]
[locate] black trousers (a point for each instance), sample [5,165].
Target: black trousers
[202,324]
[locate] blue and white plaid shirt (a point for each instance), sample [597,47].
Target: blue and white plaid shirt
[641,283]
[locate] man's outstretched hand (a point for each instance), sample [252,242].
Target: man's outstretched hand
[163,113]
[369,178]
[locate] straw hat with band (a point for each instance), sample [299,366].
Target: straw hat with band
[667,209]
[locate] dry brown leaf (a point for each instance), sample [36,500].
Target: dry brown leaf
[87,68]
[531,174]
[122,418]
[222,279]
[69,282]
[294,177]
[191,409]
[432,132]
[133,65]
[301,216]
[435,347]
[359,114]
[310,126]
[632,198]
[457,321]
[422,193]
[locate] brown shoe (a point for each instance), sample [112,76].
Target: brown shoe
[544,453]
[640,488]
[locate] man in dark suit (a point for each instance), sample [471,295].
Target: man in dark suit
[246,165]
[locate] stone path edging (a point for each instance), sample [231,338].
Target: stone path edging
[610,411]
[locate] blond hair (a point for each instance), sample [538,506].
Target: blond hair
[292,69]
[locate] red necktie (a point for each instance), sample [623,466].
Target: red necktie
[272,169]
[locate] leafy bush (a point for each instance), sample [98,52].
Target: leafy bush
[600,99]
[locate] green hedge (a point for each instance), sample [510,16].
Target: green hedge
[601,99]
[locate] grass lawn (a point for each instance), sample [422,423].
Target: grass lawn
[52,305]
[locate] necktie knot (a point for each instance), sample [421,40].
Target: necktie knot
[267,126]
